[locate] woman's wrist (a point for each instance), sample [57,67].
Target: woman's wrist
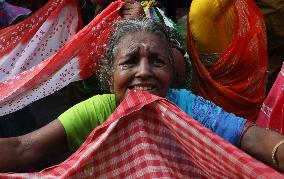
[265,145]
[276,156]
[247,126]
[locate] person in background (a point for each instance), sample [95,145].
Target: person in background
[227,43]
[33,5]
[273,12]
[10,14]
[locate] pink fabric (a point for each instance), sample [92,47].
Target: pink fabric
[149,137]
[34,68]
[272,111]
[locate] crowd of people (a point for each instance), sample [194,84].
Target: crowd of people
[220,80]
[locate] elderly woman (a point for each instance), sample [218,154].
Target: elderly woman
[139,57]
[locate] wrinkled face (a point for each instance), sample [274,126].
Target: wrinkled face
[142,62]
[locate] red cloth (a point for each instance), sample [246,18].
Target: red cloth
[149,137]
[237,81]
[73,61]
[272,111]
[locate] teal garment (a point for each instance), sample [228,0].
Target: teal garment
[80,120]
[226,125]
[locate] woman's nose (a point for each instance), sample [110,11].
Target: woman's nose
[144,69]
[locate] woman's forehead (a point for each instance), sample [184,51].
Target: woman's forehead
[142,39]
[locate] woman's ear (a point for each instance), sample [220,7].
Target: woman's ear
[180,67]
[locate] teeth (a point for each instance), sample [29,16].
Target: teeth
[143,88]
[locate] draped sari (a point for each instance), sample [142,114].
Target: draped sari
[236,82]
[28,43]
[272,111]
[149,137]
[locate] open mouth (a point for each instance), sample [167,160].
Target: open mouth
[143,88]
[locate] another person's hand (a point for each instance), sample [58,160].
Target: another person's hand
[132,10]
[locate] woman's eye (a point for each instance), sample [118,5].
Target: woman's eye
[127,64]
[158,62]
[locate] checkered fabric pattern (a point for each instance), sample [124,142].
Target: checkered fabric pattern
[149,137]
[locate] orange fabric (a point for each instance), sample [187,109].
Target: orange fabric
[237,81]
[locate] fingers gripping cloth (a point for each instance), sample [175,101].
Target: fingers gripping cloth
[149,137]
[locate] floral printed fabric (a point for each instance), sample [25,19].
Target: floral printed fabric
[74,57]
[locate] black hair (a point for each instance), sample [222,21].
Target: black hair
[120,29]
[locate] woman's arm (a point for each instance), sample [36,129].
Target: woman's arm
[254,140]
[260,142]
[24,153]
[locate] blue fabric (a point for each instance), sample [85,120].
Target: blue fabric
[226,125]
[9,13]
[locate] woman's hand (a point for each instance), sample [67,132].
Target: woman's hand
[132,10]
[260,143]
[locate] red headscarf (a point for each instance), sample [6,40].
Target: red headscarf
[237,81]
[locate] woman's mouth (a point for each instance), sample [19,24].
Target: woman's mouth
[142,88]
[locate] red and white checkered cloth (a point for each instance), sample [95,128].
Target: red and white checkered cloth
[149,137]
